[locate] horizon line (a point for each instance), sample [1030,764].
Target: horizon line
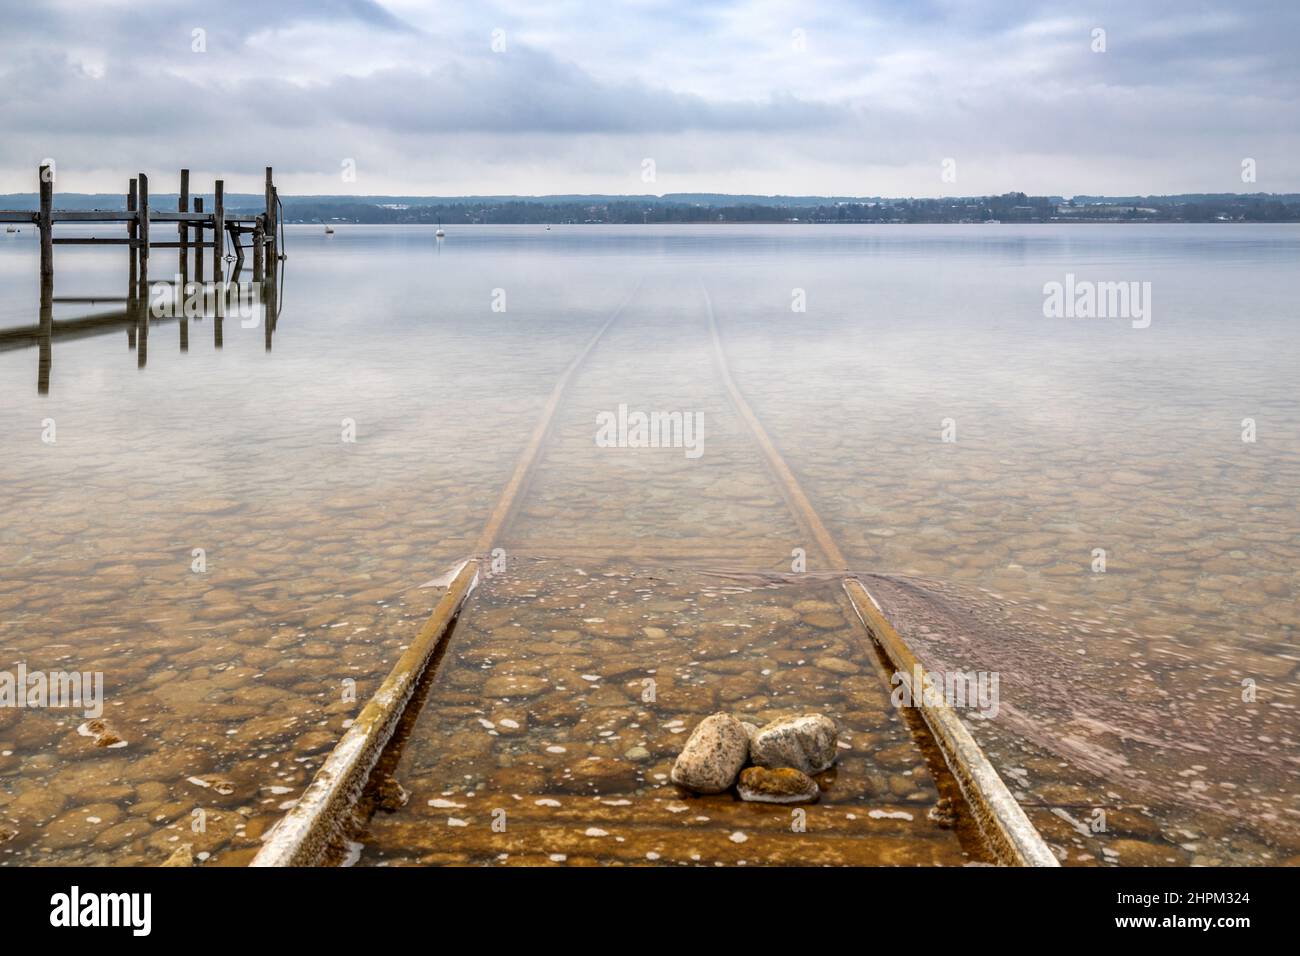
[661,197]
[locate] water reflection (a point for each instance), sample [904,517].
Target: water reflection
[149,303]
[46,335]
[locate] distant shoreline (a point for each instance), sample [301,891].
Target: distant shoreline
[718,208]
[774,222]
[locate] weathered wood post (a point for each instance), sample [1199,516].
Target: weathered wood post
[46,358]
[270,299]
[218,230]
[142,296]
[47,221]
[259,250]
[183,229]
[133,255]
[272,214]
[143,217]
[200,234]
[142,334]
[142,300]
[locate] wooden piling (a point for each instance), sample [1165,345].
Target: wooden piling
[142,216]
[272,214]
[132,234]
[259,251]
[218,230]
[47,221]
[142,301]
[142,279]
[269,294]
[45,359]
[182,229]
[201,232]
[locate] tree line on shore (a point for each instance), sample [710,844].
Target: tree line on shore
[1011,207]
[718,207]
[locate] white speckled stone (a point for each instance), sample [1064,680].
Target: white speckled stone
[807,743]
[713,755]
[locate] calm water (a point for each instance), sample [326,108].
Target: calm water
[1160,694]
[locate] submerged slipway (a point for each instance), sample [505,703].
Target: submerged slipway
[1145,715]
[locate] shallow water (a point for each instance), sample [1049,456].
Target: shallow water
[1121,690]
[550,730]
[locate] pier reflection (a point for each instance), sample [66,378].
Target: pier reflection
[149,304]
[45,335]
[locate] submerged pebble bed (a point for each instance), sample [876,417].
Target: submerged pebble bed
[567,694]
[225,689]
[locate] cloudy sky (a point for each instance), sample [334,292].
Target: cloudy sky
[762,96]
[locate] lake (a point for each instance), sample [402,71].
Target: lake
[231,522]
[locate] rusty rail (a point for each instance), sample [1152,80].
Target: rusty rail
[306,833]
[1008,832]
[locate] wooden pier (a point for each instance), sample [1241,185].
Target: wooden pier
[197,231]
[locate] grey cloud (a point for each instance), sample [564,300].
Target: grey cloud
[526,92]
[1183,92]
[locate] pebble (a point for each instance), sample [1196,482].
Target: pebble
[806,742]
[514,685]
[183,855]
[783,785]
[713,755]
